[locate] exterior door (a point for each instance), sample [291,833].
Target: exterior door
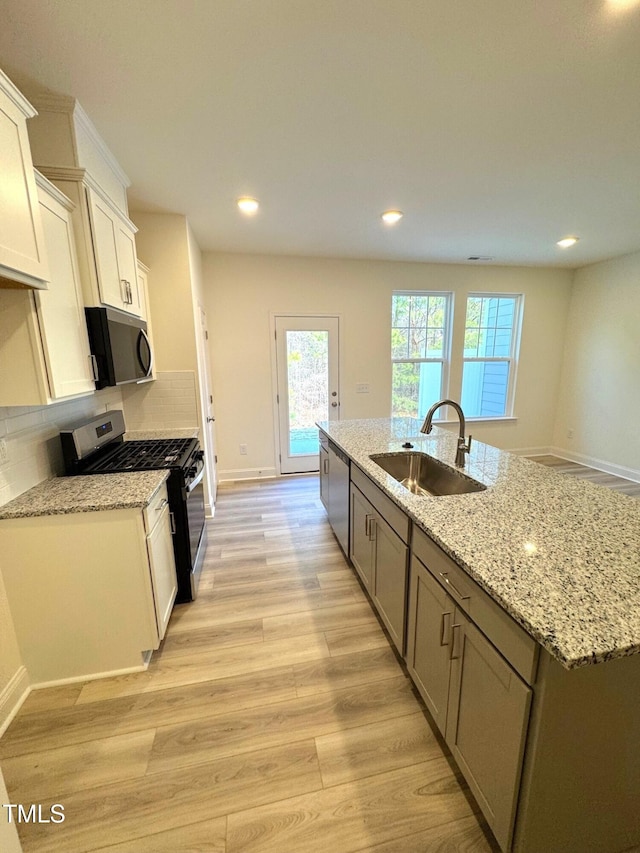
[307,387]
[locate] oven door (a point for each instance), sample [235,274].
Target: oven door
[196,521]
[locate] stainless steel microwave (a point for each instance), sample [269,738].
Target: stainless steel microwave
[120,347]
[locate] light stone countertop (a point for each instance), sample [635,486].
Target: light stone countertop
[149,434]
[560,555]
[90,493]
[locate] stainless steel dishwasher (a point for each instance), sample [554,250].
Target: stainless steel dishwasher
[338,501]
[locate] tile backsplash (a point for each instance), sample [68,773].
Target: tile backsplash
[31,433]
[31,442]
[169,401]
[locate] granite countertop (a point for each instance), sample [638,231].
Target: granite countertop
[91,493]
[560,555]
[148,434]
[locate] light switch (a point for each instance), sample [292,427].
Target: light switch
[363,388]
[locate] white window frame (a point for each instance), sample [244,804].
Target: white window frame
[512,359]
[445,360]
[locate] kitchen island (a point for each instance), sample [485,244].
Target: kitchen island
[520,627]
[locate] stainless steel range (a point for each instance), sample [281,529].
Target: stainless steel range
[97,446]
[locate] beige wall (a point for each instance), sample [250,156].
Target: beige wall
[10,659]
[242,291]
[162,244]
[600,396]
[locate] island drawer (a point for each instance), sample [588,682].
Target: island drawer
[391,513]
[512,641]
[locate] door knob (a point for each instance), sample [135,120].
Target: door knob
[334,405]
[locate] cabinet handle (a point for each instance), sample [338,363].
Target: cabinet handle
[123,291]
[455,642]
[162,505]
[94,367]
[445,629]
[367,525]
[372,527]
[456,592]
[172,520]
[325,466]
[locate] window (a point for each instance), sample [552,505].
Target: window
[491,339]
[420,331]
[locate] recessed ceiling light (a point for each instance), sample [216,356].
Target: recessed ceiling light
[390,217]
[566,242]
[248,205]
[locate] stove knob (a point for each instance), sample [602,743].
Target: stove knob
[199,454]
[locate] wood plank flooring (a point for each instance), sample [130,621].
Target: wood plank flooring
[274,719]
[574,469]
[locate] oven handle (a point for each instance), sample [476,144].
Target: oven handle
[195,482]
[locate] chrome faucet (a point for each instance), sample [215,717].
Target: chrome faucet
[463,448]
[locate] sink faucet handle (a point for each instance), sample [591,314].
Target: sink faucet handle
[462,450]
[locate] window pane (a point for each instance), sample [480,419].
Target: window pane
[484,388]
[307,377]
[489,326]
[415,388]
[399,343]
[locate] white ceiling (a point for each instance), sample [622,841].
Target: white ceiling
[497,126]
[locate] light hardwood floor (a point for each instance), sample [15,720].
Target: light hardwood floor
[275,718]
[573,469]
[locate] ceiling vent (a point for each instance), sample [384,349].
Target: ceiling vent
[479,258]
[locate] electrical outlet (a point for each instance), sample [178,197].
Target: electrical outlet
[570,432]
[243,450]
[4,455]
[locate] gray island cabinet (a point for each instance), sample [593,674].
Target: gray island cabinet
[517,612]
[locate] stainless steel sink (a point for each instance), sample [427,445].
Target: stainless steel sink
[424,475]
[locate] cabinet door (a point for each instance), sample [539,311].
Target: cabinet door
[115,256]
[103,228]
[487,724]
[163,570]
[128,266]
[390,579]
[22,249]
[429,641]
[60,309]
[361,548]
[324,477]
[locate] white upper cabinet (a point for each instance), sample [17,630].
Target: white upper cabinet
[115,255]
[69,151]
[22,250]
[44,348]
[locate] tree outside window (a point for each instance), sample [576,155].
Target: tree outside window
[420,326]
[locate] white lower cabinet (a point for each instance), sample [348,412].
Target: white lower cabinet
[161,559]
[90,593]
[44,348]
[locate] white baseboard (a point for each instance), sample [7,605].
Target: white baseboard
[12,697]
[246,474]
[598,464]
[94,676]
